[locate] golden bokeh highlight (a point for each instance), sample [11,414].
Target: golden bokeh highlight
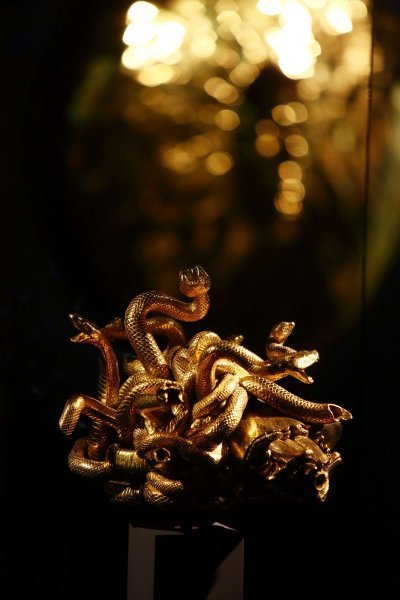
[288,204]
[284,115]
[219,163]
[142,11]
[227,119]
[290,170]
[296,145]
[196,61]
[269,7]
[267,145]
[293,185]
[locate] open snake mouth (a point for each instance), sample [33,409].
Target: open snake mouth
[192,276]
[167,413]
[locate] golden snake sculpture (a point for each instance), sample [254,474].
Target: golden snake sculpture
[198,424]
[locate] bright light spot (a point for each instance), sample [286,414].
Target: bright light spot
[211,85]
[267,126]
[226,57]
[358,9]
[269,7]
[215,139]
[142,11]
[229,16]
[139,34]
[219,163]
[316,3]
[255,53]
[227,119]
[170,38]
[323,74]
[244,74]
[284,114]
[179,158]
[267,145]
[203,45]
[343,77]
[297,65]
[288,204]
[338,17]
[225,31]
[309,89]
[293,185]
[290,170]
[190,8]
[296,145]
[294,43]
[295,13]
[201,145]
[134,58]
[357,56]
[156,75]
[183,75]
[226,5]
[301,113]
[221,90]
[153,37]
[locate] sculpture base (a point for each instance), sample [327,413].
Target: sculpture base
[201,563]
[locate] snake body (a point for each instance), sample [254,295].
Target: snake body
[193,283]
[80,464]
[216,398]
[222,427]
[191,415]
[108,379]
[292,405]
[146,395]
[83,404]
[184,447]
[289,364]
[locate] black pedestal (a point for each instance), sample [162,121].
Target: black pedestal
[207,563]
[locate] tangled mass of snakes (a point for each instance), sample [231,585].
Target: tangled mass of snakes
[198,424]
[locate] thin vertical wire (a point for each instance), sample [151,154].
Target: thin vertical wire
[367,173]
[364,231]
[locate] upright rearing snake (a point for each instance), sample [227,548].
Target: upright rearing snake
[193,283]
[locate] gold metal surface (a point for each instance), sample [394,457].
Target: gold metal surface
[199,424]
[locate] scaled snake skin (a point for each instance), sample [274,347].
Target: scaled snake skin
[195,421]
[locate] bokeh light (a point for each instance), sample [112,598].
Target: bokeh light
[209,55]
[243,126]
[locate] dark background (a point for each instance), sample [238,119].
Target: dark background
[63,537]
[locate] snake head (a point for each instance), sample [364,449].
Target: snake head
[170,395]
[317,477]
[194,282]
[88,331]
[304,359]
[318,474]
[281,331]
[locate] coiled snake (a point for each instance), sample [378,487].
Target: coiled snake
[204,414]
